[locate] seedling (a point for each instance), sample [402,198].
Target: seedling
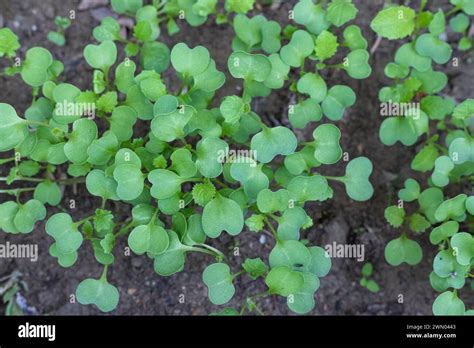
[365,281]
[58,37]
[443,129]
[181,180]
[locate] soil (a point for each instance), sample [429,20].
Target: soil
[342,220]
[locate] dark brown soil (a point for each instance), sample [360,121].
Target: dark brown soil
[342,220]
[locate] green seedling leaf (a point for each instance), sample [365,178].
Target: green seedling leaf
[218,279]
[405,129]
[408,56]
[101,56]
[232,108]
[255,268]
[448,303]
[314,86]
[255,223]
[340,12]
[418,223]
[309,188]
[165,183]
[270,202]
[271,37]
[429,201]
[461,150]
[61,227]
[353,38]
[300,47]
[464,110]
[279,73]
[222,214]
[170,126]
[250,175]
[356,180]
[337,100]
[250,67]
[109,29]
[8,43]
[394,215]
[453,208]
[290,222]
[463,245]
[326,45]
[210,79]
[410,192]
[210,156]
[326,143]
[425,159]
[100,185]
[312,16]
[48,192]
[357,64]
[443,232]
[103,149]
[13,129]
[283,281]
[28,214]
[150,239]
[99,293]
[394,22]
[402,250]
[271,142]
[443,166]
[320,263]
[302,301]
[190,62]
[35,68]
[83,134]
[173,259]
[304,112]
[428,45]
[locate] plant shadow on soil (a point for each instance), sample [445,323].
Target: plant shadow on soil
[342,220]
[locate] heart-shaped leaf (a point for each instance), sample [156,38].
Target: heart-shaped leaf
[271,142]
[357,64]
[448,303]
[250,67]
[173,259]
[337,100]
[283,281]
[402,250]
[356,180]
[83,134]
[61,227]
[326,143]
[210,156]
[190,62]
[250,175]
[222,214]
[300,46]
[218,280]
[314,86]
[99,293]
[149,238]
[101,56]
